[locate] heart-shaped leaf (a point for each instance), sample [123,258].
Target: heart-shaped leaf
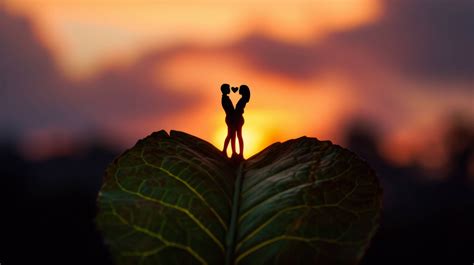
[176,199]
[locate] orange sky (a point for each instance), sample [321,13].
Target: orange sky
[85,32]
[87,36]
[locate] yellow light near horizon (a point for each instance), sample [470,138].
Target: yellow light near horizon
[258,132]
[280,108]
[253,140]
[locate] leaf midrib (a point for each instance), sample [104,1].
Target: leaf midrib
[232,232]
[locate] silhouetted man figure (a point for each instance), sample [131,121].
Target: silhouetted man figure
[229,118]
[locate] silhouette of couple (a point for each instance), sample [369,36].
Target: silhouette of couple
[234,117]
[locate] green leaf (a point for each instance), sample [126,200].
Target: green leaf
[176,199]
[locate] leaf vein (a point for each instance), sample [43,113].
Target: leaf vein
[221,221]
[185,211]
[287,237]
[290,189]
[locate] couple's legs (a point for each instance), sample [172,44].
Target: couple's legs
[230,138]
[241,141]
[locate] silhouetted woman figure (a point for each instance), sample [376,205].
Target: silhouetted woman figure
[238,115]
[229,118]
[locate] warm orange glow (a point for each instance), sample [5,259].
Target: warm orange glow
[275,112]
[258,132]
[88,36]
[253,140]
[87,32]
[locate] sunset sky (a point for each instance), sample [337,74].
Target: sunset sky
[126,68]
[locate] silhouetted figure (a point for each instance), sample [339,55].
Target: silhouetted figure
[229,118]
[234,117]
[238,115]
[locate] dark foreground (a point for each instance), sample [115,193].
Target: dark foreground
[48,211]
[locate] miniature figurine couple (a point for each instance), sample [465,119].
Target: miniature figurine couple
[234,117]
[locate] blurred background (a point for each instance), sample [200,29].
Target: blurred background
[83,80]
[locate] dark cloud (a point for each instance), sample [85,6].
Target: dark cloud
[29,77]
[429,39]
[34,93]
[123,93]
[267,54]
